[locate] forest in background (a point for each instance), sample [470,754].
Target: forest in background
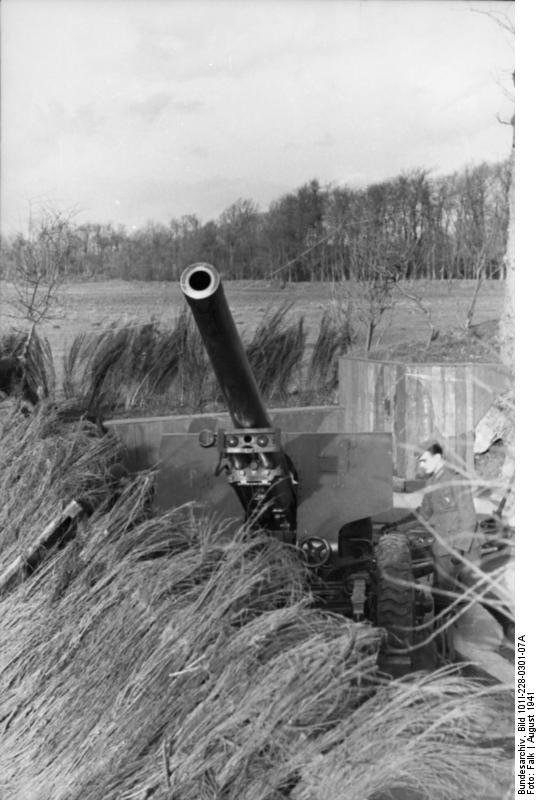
[414,225]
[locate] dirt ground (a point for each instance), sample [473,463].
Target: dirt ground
[95,305]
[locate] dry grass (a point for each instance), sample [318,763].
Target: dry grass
[336,335]
[149,369]
[138,366]
[176,657]
[276,352]
[45,464]
[455,346]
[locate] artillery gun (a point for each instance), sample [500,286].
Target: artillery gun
[317,491]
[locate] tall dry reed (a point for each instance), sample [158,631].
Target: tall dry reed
[46,463]
[139,366]
[334,339]
[276,352]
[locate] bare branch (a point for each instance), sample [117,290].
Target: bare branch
[418,301]
[482,259]
[499,18]
[41,266]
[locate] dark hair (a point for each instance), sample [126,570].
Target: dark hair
[435,449]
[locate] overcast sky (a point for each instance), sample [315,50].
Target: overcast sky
[133,110]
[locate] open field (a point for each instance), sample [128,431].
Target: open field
[95,305]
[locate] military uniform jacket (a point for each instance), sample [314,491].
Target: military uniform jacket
[448,510]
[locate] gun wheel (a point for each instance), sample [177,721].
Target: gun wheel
[393,593]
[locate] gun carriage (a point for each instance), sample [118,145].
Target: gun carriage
[313,490]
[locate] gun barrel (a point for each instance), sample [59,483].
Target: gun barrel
[204,293]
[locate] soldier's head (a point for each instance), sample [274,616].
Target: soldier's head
[431,460]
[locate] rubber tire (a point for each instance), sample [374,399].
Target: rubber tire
[394,602]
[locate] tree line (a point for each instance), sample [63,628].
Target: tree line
[414,225]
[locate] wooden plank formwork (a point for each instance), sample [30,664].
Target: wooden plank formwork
[419,403]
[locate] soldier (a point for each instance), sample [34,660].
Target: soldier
[448,511]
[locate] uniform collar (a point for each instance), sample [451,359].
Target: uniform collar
[439,474]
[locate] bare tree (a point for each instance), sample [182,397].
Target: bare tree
[376,266]
[42,262]
[482,259]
